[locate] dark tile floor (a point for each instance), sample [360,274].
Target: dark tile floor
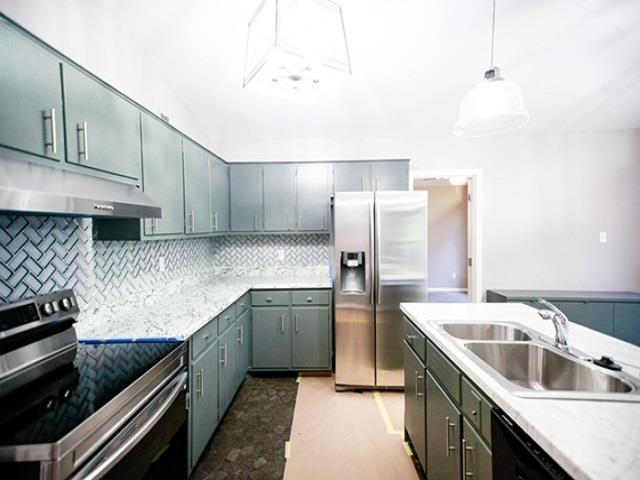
[249,443]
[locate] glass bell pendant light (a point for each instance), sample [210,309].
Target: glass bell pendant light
[494,106]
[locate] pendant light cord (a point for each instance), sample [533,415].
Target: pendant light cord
[493,31]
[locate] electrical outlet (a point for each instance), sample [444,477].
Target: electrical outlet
[281,254]
[454,275]
[161,264]
[603,237]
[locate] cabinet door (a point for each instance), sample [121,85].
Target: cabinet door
[198,218]
[627,322]
[313,192]
[228,367]
[162,173]
[390,175]
[204,395]
[595,315]
[103,129]
[414,403]
[310,338]
[443,433]
[270,335]
[476,460]
[243,326]
[279,197]
[246,198]
[352,177]
[30,95]
[219,195]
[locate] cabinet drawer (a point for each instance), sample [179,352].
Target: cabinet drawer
[310,297]
[203,338]
[243,304]
[446,373]
[226,319]
[477,409]
[270,297]
[415,339]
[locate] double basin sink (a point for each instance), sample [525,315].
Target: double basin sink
[529,365]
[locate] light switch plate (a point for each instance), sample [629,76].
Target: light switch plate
[603,237]
[281,254]
[161,265]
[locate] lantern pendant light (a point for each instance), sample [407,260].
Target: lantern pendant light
[494,106]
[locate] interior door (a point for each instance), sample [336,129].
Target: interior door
[471,254]
[401,274]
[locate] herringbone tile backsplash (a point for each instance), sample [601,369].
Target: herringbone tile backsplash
[43,254]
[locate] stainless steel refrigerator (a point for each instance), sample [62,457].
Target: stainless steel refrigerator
[379,248]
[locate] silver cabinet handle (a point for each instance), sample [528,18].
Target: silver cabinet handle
[418,378]
[85,141]
[154,225]
[411,338]
[465,448]
[323,221]
[255,221]
[223,360]
[282,324]
[295,318]
[51,117]
[239,337]
[215,221]
[268,299]
[241,334]
[202,382]
[199,383]
[362,178]
[191,226]
[309,299]
[450,447]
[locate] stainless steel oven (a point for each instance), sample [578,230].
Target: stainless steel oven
[119,411]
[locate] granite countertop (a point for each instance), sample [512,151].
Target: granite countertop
[589,439]
[569,295]
[177,310]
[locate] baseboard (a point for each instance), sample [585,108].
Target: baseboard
[465,290]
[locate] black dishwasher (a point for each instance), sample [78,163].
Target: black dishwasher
[516,456]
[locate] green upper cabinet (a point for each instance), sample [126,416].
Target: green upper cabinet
[197,200]
[102,128]
[352,177]
[219,185]
[246,198]
[390,175]
[313,197]
[30,96]
[279,197]
[162,173]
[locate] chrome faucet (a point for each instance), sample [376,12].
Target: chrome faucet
[560,323]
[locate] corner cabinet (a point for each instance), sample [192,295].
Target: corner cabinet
[31,117]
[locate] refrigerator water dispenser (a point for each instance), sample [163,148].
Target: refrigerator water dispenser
[352,273]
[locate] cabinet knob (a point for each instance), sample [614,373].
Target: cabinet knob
[309,299]
[269,300]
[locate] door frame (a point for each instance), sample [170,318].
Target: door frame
[474,221]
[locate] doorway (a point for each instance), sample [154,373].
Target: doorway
[453,234]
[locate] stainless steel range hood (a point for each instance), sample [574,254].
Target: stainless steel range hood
[30,188]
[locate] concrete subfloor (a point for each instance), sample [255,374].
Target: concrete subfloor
[347,435]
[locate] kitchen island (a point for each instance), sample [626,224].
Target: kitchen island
[588,439]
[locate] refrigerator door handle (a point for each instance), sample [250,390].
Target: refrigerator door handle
[372,271]
[377,252]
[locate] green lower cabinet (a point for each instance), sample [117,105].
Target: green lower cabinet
[626,324]
[310,338]
[204,400]
[243,352]
[271,337]
[414,403]
[595,315]
[476,456]
[443,433]
[228,342]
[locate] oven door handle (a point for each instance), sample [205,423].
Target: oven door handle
[129,436]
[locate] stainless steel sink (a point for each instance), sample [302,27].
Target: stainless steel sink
[486,331]
[537,370]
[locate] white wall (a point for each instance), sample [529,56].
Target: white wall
[545,198]
[92,34]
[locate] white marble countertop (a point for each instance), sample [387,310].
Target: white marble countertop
[589,439]
[178,309]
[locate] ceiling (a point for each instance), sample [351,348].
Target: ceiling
[576,61]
